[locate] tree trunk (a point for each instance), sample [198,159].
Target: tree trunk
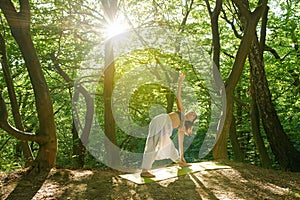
[14,104]
[112,151]
[78,148]
[255,118]
[237,150]
[220,149]
[113,156]
[79,143]
[19,23]
[214,20]
[285,153]
[255,125]
[170,101]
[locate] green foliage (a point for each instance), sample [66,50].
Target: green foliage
[282,65]
[64,32]
[144,98]
[8,160]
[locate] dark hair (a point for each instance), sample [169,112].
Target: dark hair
[188,124]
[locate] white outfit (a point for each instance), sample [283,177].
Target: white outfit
[159,144]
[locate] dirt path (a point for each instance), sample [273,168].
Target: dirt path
[241,181]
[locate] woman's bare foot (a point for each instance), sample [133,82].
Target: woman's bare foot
[146,174]
[183,164]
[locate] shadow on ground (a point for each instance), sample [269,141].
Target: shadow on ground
[26,186]
[241,181]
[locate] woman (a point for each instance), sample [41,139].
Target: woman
[159,144]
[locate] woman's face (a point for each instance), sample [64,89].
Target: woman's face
[190,116]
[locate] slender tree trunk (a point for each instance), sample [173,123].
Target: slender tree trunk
[78,148]
[255,125]
[239,107]
[14,103]
[255,118]
[220,148]
[237,151]
[78,142]
[170,101]
[214,20]
[113,157]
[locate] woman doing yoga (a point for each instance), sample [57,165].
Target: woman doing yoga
[159,144]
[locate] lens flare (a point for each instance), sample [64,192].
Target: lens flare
[114,28]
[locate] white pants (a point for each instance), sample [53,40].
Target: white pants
[159,144]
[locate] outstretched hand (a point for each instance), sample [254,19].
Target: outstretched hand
[182,76]
[182,162]
[182,159]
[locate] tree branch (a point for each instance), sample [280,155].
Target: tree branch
[3,145]
[272,51]
[15,19]
[208,7]
[229,55]
[263,30]
[184,20]
[236,33]
[240,102]
[21,135]
[88,100]
[243,9]
[8,6]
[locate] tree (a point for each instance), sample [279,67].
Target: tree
[64,35]
[220,149]
[255,118]
[286,154]
[113,157]
[13,100]
[19,22]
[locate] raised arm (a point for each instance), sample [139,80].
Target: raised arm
[179,100]
[181,130]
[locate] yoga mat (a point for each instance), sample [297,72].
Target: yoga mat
[164,173]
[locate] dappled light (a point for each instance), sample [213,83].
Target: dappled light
[240,181]
[127,99]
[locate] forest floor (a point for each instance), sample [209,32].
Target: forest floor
[240,181]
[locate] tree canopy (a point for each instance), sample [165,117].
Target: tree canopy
[50,53]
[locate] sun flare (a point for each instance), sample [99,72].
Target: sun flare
[115,28]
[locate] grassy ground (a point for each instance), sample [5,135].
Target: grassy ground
[241,181]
